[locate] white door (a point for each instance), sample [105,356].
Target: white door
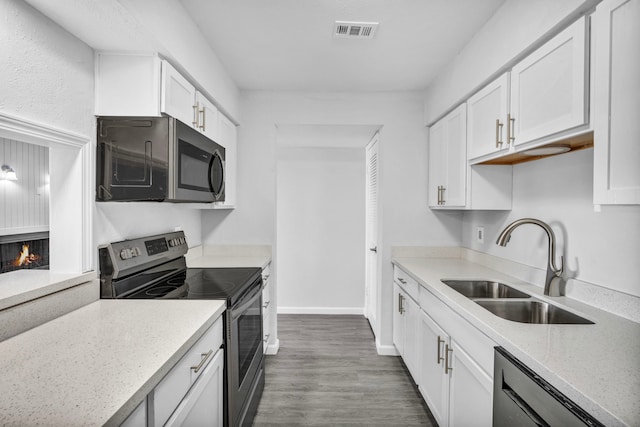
[548,87]
[207,119]
[486,118]
[371,264]
[433,383]
[454,191]
[470,391]
[617,104]
[178,96]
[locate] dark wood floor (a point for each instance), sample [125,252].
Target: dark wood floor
[327,372]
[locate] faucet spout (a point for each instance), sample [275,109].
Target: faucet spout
[554,283]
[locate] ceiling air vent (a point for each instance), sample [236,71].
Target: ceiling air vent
[358,30]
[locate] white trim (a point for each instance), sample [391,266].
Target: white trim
[273,348]
[17,128]
[321,310]
[88,186]
[386,350]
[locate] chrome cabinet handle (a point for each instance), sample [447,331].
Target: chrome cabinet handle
[510,129]
[447,351]
[400,304]
[202,126]
[439,194]
[442,200]
[440,358]
[266,338]
[205,357]
[374,249]
[498,133]
[195,115]
[266,304]
[401,280]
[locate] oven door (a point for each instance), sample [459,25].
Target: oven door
[245,351]
[198,167]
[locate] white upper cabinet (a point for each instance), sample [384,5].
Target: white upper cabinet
[455,185]
[617,102]
[178,96]
[544,98]
[487,117]
[549,88]
[447,160]
[207,120]
[228,136]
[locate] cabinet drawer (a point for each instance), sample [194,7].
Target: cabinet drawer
[467,336]
[406,282]
[175,385]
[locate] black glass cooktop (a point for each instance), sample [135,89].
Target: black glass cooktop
[202,283]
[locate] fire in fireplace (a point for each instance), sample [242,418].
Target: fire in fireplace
[24,251]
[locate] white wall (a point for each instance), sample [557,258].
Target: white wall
[321,230]
[47,77]
[24,204]
[599,247]
[515,28]
[405,218]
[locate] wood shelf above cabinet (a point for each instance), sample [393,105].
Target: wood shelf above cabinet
[578,142]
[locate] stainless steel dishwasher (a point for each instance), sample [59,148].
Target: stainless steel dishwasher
[522,398]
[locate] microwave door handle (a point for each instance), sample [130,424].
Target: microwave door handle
[147,159]
[218,191]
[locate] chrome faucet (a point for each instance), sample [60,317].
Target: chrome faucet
[554,283]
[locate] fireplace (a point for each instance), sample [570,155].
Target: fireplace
[24,251]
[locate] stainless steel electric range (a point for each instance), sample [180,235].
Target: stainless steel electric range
[155,267]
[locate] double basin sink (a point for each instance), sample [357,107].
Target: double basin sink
[511,304]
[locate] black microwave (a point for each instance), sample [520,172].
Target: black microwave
[157,159]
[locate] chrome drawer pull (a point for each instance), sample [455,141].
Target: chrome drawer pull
[266,338]
[447,349]
[440,358]
[205,357]
[266,304]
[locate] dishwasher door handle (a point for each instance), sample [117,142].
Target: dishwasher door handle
[523,405]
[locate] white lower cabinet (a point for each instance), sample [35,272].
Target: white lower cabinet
[433,383]
[203,404]
[405,328]
[470,390]
[138,417]
[449,359]
[191,393]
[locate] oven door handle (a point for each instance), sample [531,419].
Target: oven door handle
[240,307]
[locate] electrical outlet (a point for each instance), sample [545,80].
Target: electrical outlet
[480,234]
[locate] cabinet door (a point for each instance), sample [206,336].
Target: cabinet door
[228,139]
[470,392]
[203,404]
[436,162]
[398,318]
[617,103]
[177,96]
[138,418]
[448,160]
[433,383]
[486,118]
[207,119]
[549,87]
[411,337]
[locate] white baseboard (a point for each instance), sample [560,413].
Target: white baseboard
[321,310]
[273,348]
[386,350]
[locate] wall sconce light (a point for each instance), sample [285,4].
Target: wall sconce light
[7,173]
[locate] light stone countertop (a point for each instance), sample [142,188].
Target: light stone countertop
[594,365]
[93,366]
[222,256]
[17,287]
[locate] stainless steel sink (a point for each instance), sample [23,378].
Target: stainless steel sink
[484,289]
[532,312]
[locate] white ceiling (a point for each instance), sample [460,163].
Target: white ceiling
[288,44]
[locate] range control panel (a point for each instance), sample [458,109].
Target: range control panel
[128,256]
